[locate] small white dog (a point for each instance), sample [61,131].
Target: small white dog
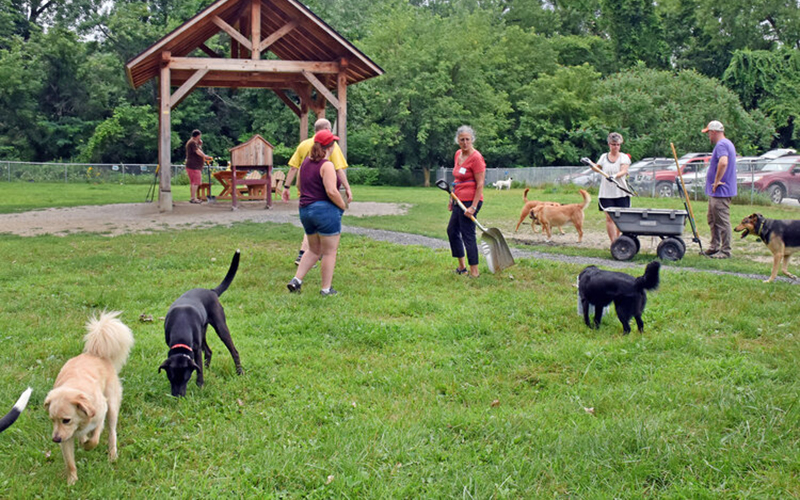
[503,184]
[87,390]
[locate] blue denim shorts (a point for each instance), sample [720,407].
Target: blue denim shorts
[321,217]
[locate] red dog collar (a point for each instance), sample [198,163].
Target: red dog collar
[181,345]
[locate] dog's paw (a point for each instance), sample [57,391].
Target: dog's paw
[112,455]
[72,479]
[791,276]
[239,370]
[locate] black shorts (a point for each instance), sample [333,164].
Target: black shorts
[624,202]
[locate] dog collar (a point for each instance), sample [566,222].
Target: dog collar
[758,227]
[183,346]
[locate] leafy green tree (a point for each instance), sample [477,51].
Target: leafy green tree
[652,108]
[769,81]
[129,136]
[554,109]
[438,77]
[636,32]
[20,84]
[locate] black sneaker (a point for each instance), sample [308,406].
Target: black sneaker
[294,285]
[331,291]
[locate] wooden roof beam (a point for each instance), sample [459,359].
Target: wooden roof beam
[230,30]
[313,80]
[277,35]
[187,87]
[256,66]
[289,102]
[207,50]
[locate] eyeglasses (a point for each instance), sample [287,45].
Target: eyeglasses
[614,144]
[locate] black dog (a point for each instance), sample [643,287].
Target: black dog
[185,327]
[600,288]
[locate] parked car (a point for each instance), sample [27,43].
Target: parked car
[567,178]
[587,179]
[689,156]
[746,166]
[777,153]
[641,171]
[780,178]
[662,182]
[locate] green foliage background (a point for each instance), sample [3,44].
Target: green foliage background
[541,82]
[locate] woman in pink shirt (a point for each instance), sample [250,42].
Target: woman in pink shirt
[469,173]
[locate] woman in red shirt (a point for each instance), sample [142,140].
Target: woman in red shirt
[469,173]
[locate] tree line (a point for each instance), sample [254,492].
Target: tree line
[541,81]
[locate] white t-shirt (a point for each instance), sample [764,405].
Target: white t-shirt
[607,189]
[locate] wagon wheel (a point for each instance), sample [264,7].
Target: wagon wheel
[624,248]
[683,244]
[670,249]
[636,241]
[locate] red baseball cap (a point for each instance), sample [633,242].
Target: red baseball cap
[325,137]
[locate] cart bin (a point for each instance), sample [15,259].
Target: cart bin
[648,221]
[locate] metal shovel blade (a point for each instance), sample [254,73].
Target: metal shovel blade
[495,248]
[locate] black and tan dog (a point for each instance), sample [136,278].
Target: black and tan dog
[782,237]
[599,288]
[185,327]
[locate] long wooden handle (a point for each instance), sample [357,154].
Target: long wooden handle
[472,217]
[610,179]
[680,176]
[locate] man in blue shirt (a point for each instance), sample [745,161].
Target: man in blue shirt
[720,188]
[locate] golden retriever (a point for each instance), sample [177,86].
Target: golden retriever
[529,207]
[558,216]
[87,390]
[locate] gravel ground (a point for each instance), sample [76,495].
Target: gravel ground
[118,219]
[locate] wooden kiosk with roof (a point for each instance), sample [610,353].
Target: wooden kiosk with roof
[307,61]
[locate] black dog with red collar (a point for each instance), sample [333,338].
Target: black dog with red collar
[185,328]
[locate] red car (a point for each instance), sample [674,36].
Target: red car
[780,178]
[662,182]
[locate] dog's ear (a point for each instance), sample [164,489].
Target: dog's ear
[164,365]
[193,365]
[84,405]
[47,402]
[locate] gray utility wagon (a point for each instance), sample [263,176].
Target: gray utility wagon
[635,222]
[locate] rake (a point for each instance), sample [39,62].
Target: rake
[493,244]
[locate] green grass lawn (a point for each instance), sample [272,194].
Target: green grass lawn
[413,382]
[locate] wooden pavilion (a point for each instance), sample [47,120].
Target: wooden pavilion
[311,61]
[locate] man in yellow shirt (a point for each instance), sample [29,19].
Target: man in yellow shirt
[296,161]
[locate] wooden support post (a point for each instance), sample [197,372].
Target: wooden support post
[255,29]
[341,93]
[304,93]
[319,106]
[164,146]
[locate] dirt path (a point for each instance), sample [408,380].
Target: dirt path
[125,218]
[145,218]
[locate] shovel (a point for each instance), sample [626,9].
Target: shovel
[685,196]
[493,245]
[593,165]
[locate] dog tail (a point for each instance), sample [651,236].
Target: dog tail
[109,338]
[649,280]
[228,277]
[525,195]
[586,198]
[15,412]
